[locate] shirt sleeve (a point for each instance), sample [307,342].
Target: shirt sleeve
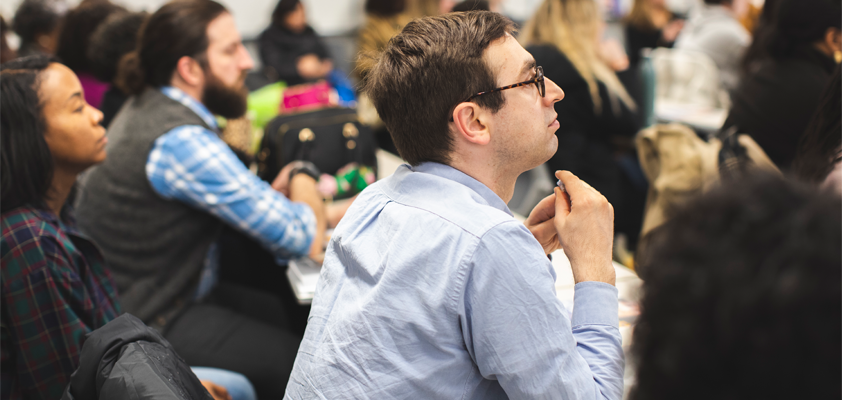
[46,315]
[518,332]
[193,165]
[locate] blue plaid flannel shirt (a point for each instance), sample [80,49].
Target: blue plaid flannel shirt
[192,164]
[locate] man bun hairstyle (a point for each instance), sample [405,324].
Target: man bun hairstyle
[425,71]
[177,29]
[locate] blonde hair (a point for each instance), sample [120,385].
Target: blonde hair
[572,27]
[640,15]
[422,8]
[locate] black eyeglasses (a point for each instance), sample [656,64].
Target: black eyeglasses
[538,80]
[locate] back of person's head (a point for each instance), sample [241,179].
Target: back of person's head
[573,27]
[76,30]
[756,51]
[114,38]
[176,30]
[284,8]
[472,5]
[800,23]
[819,147]
[26,164]
[385,8]
[6,52]
[640,15]
[34,18]
[428,8]
[743,297]
[426,70]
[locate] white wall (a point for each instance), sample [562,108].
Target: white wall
[328,17]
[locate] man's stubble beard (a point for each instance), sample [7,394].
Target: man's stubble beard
[223,100]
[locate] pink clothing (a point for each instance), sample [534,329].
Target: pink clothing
[93,88]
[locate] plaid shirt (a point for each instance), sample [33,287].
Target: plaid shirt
[55,289]
[193,165]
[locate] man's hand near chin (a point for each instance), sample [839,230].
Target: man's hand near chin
[581,222]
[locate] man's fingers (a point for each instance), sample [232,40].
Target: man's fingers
[545,210]
[562,203]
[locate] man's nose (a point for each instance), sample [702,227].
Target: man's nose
[554,93]
[246,62]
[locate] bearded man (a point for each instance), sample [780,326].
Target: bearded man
[157,205]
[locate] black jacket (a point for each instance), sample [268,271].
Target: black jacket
[776,101]
[126,359]
[280,49]
[585,137]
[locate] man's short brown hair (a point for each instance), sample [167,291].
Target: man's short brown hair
[426,70]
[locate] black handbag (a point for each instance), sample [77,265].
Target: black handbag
[330,138]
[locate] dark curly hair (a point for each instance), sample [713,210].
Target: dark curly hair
[34,18]
[742,300]
[114,38]
[79,24]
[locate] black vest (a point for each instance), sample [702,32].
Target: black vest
[155,247]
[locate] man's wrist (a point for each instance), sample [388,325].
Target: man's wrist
[304,168]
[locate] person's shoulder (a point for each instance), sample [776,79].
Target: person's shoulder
[27,235]
[442,198]
[25,223]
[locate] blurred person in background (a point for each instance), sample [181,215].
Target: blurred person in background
[114,38]
[650,24]
[290,50]
[429,8]
[472,5]
[741,300]
[756,51]
[782,89]
[598,116]
[37,24]
[819,157]
[74,37]
[714,30]
[6,52]
[157,205]
[384,19]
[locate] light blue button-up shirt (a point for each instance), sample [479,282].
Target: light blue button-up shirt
[430,289]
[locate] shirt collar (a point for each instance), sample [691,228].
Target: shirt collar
[191,103]
[68,223]
[453,174]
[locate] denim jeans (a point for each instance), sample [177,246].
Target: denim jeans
[237,385]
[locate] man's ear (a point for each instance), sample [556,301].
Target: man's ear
[188,70]
[471,123]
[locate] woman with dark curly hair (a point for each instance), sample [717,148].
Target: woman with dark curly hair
[741,299]
[114,38]
[36,22]
[74,38]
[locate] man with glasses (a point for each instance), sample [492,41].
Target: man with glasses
[430,288]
